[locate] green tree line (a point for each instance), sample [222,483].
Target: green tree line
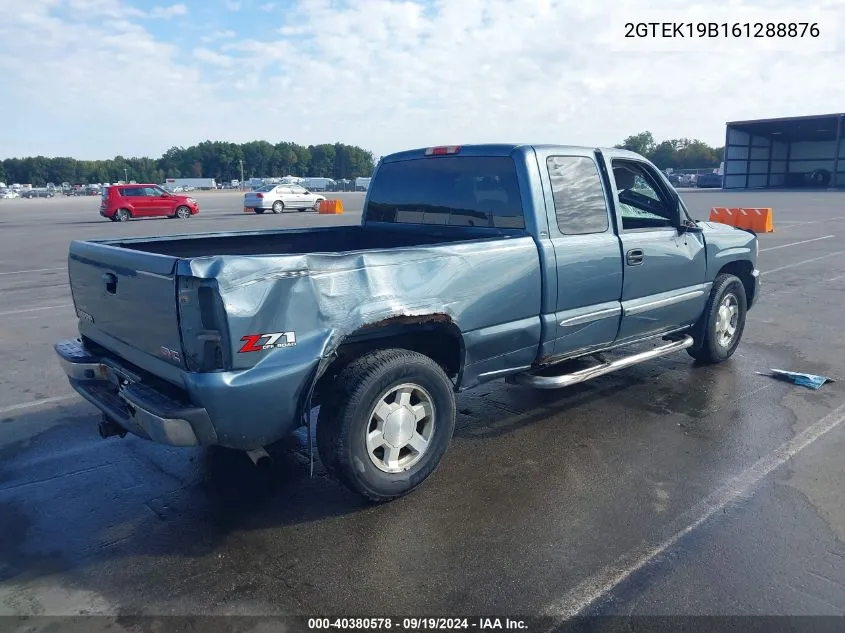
[679,153]
[209,159]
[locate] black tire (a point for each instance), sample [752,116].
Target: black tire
[346,414]
[708,349]
[259,211]
[122,215]
[278,206]
[183,212]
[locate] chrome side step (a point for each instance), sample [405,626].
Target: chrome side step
[565,380]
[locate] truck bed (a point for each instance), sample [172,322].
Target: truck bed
[298,241]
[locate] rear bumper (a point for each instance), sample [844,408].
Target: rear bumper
[241,409]
[139,409]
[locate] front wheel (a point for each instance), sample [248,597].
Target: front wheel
[723,321]
[386,423]
[183,213]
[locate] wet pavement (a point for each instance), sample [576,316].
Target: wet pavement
[542,503]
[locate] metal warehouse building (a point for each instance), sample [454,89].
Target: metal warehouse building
[801,152]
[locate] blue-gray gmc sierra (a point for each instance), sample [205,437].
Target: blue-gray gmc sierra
[470,264]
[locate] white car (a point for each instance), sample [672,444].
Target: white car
[10,195]
[279,198]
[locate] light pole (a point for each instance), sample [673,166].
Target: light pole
[125,175]
[242,175]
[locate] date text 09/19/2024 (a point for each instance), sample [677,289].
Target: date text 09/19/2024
[418,624]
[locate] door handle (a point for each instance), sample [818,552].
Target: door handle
[110,280]
[634,257]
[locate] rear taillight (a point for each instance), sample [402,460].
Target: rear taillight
[259,195]
[443,150]
[202,318]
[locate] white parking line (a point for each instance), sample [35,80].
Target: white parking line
[31,270]
[806,261]
[838,217]
[64,305]
[35,403]
[815,239]
[601,583]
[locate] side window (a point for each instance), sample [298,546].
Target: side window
[132,192]
[642,203]
[578,194]
[152,192]
[297,189]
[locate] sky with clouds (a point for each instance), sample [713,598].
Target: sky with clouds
[96,78]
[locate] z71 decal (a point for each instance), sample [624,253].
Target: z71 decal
[260,342]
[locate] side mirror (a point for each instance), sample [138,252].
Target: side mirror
[688,226]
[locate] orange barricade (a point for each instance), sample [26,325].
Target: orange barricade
[759,220]
[333,207]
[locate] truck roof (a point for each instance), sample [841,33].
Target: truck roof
[506,149]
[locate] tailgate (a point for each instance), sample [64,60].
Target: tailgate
[252,200]
[129,295]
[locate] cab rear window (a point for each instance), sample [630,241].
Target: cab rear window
[453,190]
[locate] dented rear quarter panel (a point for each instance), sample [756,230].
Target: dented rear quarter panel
[490,289]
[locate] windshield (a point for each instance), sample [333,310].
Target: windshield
[453,190]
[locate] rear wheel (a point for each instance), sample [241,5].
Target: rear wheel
[278,206]
[258,211]
[724,321]
[386,423]
[122,215]
[183,212]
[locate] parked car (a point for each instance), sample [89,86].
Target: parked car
[674,179]
[124,202]
[10,194]
[470,264]
[710,180]
[38,193]
[279,198]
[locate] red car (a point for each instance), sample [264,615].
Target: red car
[124,202]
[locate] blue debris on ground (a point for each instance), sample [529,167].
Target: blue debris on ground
[804,380]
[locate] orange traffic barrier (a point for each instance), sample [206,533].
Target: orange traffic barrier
[333,207]
[759,220]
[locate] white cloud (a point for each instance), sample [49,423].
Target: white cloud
[210,57]
[386,75]
[116,9]
[218,35]
[267,7]
[168,12]
[232,5]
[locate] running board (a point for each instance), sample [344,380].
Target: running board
[565,380]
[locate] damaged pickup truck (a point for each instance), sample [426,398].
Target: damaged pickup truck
[470,264]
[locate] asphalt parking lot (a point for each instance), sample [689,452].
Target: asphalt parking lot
[662,489]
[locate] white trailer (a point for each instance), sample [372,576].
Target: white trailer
[196,183]
[318,184]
